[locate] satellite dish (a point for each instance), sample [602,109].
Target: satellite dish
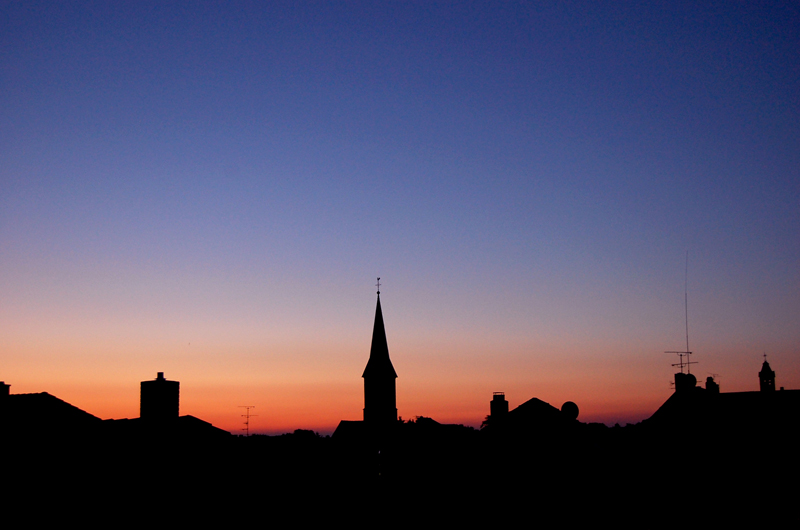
[570,409]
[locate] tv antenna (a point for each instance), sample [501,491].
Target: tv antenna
[686,353]
[684,360]
[247,417]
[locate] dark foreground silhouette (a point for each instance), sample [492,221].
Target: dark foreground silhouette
[704,457]
[698,456]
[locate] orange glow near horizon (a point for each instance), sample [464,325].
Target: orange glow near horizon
[315,383]
[317,395]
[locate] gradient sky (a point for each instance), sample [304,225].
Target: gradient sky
[210,189]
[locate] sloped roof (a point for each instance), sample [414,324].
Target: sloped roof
[44,411]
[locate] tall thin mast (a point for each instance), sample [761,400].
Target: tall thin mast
[686,299]
[687,352]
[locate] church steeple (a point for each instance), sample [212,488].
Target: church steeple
[766,377]
[380,400]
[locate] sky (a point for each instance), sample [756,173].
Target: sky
[211,189]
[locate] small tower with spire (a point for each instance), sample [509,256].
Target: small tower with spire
[380,397]
[766,377]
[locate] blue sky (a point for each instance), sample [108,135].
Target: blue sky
[525,177]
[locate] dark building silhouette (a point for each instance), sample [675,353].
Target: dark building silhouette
[159,399]
[498,407]
[159,417]
[533,418]
[684,382]
[766,377]
[746,413]
[42,416]
[30,414]
[380,398]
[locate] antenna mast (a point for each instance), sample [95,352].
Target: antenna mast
[683,363]
[247,417]
[686,299]
[686,353]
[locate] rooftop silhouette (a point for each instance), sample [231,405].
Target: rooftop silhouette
[535,447]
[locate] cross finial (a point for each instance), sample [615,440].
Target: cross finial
[379,285]
[765,356]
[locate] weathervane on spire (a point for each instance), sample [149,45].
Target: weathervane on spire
[379,285]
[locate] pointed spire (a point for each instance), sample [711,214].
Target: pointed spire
[379,364]
[380,393]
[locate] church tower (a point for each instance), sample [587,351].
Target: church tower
[380,398]
[766,377]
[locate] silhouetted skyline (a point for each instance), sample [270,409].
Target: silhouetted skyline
[566,469]
[691,408]
[209,190]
